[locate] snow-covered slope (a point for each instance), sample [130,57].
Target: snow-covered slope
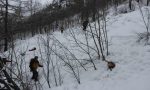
[132,59]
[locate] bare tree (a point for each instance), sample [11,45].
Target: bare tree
[148,2]
[146,20]
[6,26]
[33,6]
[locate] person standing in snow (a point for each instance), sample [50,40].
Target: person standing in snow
[62,29]
[34,64]
[85,24]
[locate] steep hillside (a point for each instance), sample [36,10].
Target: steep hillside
[132,59]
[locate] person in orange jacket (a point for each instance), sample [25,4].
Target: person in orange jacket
[34,64]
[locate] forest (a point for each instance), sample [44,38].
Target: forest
[74,44]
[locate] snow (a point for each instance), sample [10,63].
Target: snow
[44,2]
[131,73]
[132,59]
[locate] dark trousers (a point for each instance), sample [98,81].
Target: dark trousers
[84,27]
[35,75]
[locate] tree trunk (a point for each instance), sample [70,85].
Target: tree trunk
[6,27]
[148,2]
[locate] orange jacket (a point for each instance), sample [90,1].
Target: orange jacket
[34,64]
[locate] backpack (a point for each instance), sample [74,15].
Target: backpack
[33,64]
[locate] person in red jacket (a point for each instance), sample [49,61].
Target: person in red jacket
[34,64]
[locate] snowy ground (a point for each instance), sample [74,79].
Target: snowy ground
[132,59]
